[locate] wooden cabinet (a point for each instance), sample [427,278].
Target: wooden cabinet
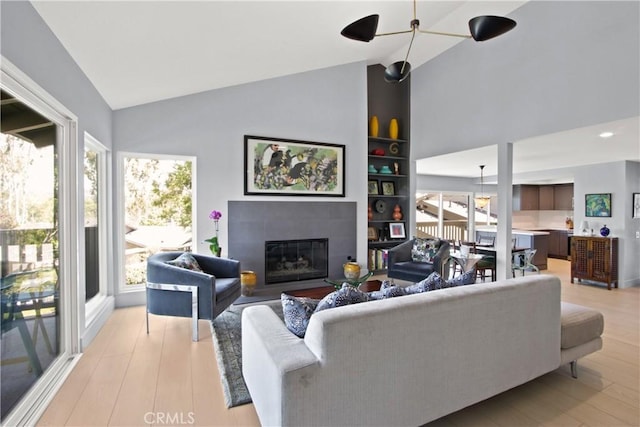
[563,197]
[595,259]
[559,244]
[557,197]
[389,165]
[545,197]
[525,198]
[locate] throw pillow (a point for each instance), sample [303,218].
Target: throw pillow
[297,313]
[467,278]
[186,260]
[431,283]
[424,250]
[387,290]
[344,296]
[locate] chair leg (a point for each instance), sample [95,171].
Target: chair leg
[194,313]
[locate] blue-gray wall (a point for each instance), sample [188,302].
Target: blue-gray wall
[566,65]
[328,105]
[30,45]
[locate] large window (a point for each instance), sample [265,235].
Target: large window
[157,210]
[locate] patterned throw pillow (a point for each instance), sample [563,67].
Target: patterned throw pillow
[431,283]
[343,296]
[424,250]
[387,290]
[467,278]
[186,260]
[297,313]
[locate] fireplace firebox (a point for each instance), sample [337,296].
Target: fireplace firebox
[295,260]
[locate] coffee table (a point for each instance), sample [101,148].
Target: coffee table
[323,291]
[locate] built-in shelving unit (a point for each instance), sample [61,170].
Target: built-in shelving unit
[388,190]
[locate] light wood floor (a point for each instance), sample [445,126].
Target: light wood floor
[125,374]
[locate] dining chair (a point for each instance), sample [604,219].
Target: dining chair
[523,261]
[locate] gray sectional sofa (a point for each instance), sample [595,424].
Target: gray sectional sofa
[407,360]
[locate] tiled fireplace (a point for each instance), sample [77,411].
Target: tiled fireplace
[255,225]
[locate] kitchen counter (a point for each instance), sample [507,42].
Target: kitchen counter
[534,239]
[515,231]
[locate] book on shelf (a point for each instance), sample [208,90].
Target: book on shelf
[377,259]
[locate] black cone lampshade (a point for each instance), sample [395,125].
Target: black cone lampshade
[362,30]
[487,27]
[395,73]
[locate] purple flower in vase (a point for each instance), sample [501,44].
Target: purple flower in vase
[214,246]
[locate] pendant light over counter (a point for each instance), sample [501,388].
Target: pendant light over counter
[482,200]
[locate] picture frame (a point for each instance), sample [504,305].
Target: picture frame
[289,167]
[396,230]
[636,206]
[372,233]
[372,187]
[597,205]
[388,188]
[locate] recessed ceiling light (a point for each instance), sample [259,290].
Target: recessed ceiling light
[606,134]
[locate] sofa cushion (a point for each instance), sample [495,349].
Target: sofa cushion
[432,282]
[186,260]
[297,312]
[424,250]
[579,325]
[343,296]
[467,278]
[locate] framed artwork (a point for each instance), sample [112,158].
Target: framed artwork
[372,233]
[636,205]
[396,230]
[388,188]
[372,187]
[597,205]
[287,167]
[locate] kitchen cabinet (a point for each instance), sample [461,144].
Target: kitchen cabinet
[559,243]
[526,198]
[563,197]
[546,197]
[595,259]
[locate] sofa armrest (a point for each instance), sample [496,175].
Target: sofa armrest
[400,253]
[275,363]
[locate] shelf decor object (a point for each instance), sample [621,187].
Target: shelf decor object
[288,167]
[597,205]
[374,126]
[396,230]
[481,28]
[393,129]
[604,231]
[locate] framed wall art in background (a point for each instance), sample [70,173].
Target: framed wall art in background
[288,167]
[597,205]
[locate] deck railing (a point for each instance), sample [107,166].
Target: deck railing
[453,230]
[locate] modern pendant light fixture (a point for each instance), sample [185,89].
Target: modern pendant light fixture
[482,200]
[482,28]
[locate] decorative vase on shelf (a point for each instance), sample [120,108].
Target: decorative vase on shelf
[604,231]
[369,213]
[374,127]
[393,129]
[397,215]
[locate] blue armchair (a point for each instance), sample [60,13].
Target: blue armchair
[402,266]
[177,291]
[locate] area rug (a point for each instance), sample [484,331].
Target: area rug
[227,341]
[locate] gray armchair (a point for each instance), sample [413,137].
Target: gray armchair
[401,265]
[177,291]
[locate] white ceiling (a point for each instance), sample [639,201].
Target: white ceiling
[545,159]
[136,52]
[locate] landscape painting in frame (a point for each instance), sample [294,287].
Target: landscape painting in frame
[288,167]
[597,205]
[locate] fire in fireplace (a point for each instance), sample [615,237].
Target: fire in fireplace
[295,260]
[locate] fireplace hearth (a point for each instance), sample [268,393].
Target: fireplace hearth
[295,260]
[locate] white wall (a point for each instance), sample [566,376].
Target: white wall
[612,178]
[328,105]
